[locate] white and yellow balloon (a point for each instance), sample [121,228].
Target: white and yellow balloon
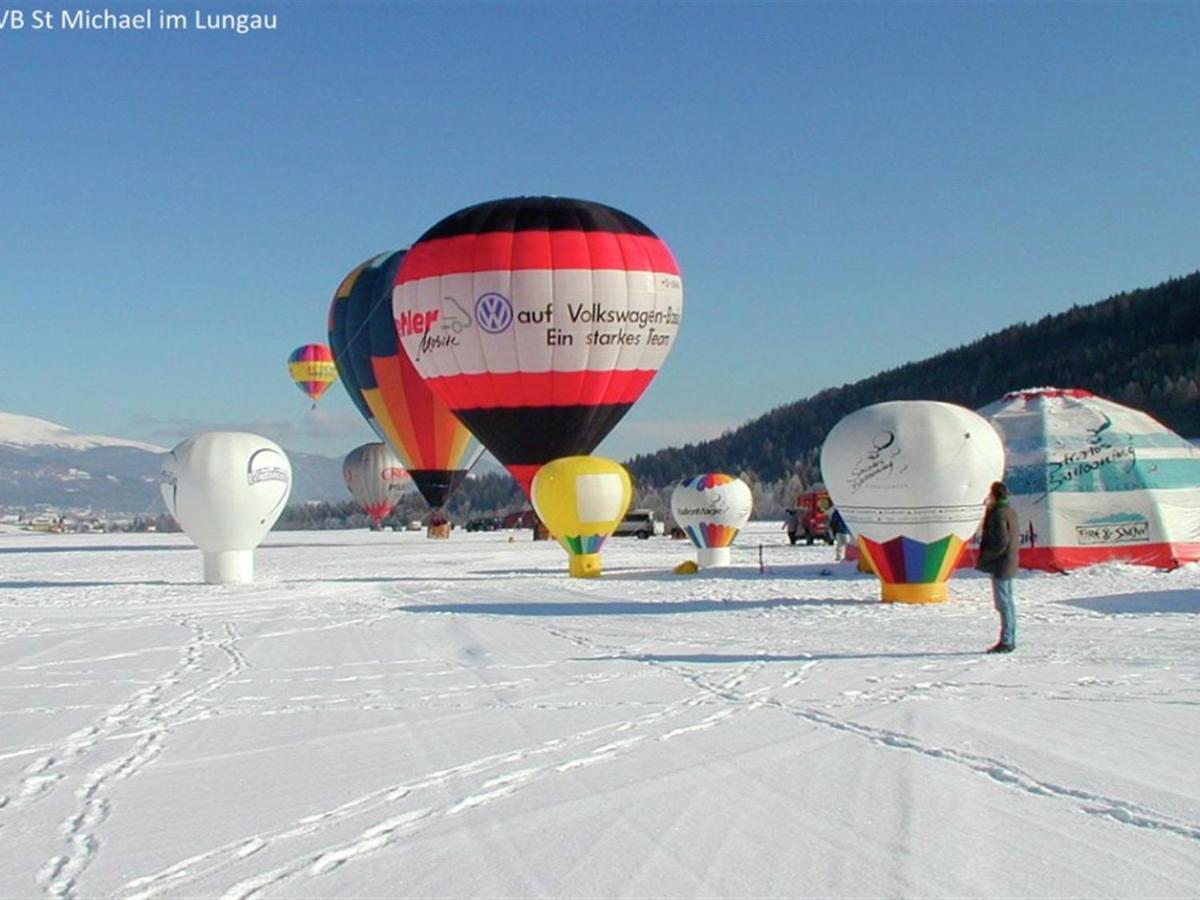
[712,508]
[581,499]
[910,478]
[226,489]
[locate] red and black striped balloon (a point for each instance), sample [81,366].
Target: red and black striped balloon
[539,321]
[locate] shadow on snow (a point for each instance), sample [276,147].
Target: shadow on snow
[101,548]
[722,658]
[621,607]
[75,584]
[1177,601]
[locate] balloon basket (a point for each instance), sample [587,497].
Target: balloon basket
[929,592]
[585,565]
[439,532]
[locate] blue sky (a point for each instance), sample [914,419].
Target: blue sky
[847,187]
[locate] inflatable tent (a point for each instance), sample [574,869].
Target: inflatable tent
[1093,481]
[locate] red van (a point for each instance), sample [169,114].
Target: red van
[812,508]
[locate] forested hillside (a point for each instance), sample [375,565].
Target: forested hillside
[1140,348]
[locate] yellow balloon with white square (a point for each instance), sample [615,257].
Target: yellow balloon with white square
[582,499]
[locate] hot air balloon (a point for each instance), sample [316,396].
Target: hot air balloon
[433,445]
[376,479]
[539,321]
[312,368]
[582,500]
[226,489]
[910,478]
[712,509]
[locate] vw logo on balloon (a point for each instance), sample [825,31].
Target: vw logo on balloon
[493,312]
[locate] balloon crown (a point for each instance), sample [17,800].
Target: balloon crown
[709,480]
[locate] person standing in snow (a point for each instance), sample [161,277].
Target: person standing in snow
[792,523]
[999,544]
[841,531]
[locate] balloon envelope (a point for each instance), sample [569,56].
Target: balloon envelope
[910,478]
[226,489]
[375,478]
[430,441]
[312,369]
[712,508]
[582,499]
[539,321]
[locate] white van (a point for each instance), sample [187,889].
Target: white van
[640,523]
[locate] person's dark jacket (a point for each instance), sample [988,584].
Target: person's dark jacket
[1000,542]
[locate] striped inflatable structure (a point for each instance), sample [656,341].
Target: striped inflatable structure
[1094,481]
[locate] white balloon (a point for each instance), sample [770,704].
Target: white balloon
[226,489]
[376,478]
[912,474]
[712,508]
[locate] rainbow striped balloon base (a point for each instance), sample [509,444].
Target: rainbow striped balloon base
[583,551]
[913,571]
[709,534]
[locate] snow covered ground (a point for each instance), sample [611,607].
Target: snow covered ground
[383,715]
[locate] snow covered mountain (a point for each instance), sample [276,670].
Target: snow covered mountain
[24,432]
[46,464]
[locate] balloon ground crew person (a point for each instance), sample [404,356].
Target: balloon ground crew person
[841,532]
[791,522]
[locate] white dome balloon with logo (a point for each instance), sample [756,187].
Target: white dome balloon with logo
[226,489]
[910,478]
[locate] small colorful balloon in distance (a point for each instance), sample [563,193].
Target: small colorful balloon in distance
[910,478]
[312,369]
[376,479]
[539,321]
[582,499]
[226,489]
[712,509]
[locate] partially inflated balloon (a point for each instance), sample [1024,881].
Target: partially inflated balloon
[582,499]
[539,321]
[312,369]
[910,478]
[434,446]
[375,478]
[712,509]
[226,489]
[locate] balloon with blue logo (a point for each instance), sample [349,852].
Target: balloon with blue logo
[712,509]
[539,321]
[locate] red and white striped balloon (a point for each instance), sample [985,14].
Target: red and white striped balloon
[539,321]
